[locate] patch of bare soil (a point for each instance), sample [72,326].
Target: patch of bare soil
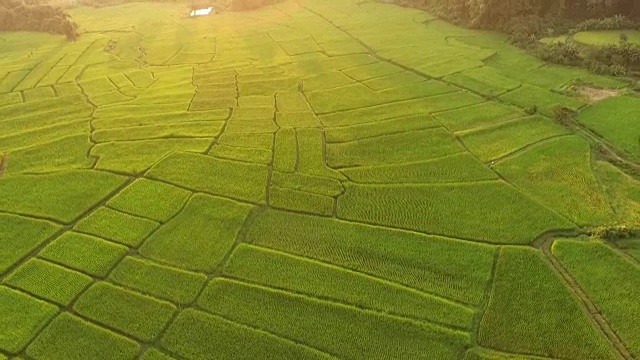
[594,94]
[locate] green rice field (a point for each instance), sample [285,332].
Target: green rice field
[316,179]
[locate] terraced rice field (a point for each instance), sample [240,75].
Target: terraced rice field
[318,179]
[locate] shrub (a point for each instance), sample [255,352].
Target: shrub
[563,53]
[564,115]
[16,15]
[616,232]
[609,23]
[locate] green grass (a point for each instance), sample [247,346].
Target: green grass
[134,157]
[195,129]
[84,253]
[622,191]
[314,184]
[497,141]
[20,236]
[558,174]
[285,152]
[279,313]
[371,71]
[301,201]
[200,236]
[290,101]
[529,96]
[218,177]
[477,116]
[613,119]
[611,282]
[449,268]
[400,109]
[21,317]
[385,127]
[129,120]
[62,196]
[531,311]
[393,80]
[49,281]
[324,81]
[392,149]
[150,199]
[312,179]
[297,119]
[178,286]
[134,314]
[325,281]
[250,155]
[484,80]
[437,209]
[261,141]
[155,354]
[311,153]
[455,168]
[61,154]
[606,37]
[70,338]
[190,336]
[117,226]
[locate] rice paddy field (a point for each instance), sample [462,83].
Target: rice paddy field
[318,179]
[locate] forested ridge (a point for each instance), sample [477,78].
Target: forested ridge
[496,14]
[34,15]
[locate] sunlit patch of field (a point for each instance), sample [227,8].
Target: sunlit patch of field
[314,179]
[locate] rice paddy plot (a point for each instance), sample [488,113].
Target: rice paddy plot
[192,333]
[437,209]
[541,100]
[322,280]
[615,120]
[61,196]
[393,149]
[558,173]
[447,268]
[611,282]
[492,142]
[199,237]
[387,336]
[554,324]
[309,180]
[455,168]
[207,174]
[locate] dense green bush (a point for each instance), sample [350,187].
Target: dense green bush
[616,22]
[18,15]
[564,53]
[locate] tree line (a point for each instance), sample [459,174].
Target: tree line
[34,15]
[500,14]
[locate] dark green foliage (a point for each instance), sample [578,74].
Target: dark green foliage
[70,338]
[609,23]
[16,15]
[21,317]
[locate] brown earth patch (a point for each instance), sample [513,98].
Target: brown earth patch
[594,94]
